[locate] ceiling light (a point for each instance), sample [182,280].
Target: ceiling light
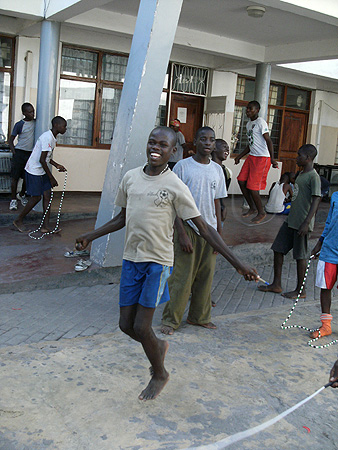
[255,11]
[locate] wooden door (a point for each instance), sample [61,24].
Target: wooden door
[189,110]
[293,137]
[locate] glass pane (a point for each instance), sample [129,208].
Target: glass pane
[192,80]
[110,105]
[114,67]
[239,138]
[162,109]
[76,105]
[297,98]
[276,95]
[78,63]
[274,123]
[6,45]
[5,83]
[245,89]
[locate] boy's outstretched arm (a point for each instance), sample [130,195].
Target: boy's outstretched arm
[243,153]
[334,374]
[304,228]
[117,223]
[215,240]
[270,148]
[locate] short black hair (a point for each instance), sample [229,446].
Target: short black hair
[255,104]
[200,130]
[57,120]
[309,150]
[25,106]
[221,141]
[168,130]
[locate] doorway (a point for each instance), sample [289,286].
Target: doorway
[189,110]
[293,137]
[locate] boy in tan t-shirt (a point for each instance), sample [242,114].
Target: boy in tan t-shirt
[150,198]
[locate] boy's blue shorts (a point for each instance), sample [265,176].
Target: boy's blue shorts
[37,184]
[144,283]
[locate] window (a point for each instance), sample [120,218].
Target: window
[91,85]
[6,85]
[189,80]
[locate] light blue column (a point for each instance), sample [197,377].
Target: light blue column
[48,73]
[262,86]
[147,65]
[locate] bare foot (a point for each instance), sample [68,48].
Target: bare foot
[294,294]
[154,388]
[270,288]
[48,230]
[18,226]
[209,325]
[167,330]
[164,346]
[249,213]
[258,218]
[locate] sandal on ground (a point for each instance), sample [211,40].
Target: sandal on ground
[73,254]
[82,265]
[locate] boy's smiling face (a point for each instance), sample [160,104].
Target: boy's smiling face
[160,146]
[252,111]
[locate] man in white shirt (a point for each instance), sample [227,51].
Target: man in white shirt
[252,177]
[39,178]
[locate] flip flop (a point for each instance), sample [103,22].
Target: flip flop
[82,265]
[73,254]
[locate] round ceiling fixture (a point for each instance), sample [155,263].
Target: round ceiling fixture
[255,11]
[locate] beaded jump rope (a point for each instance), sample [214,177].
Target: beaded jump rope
[283,327]
[45,213]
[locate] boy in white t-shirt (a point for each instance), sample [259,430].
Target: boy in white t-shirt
[252,177]
[150,197]
[39,178]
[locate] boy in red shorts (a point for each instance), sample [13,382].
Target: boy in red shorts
[327,267]
[252,177]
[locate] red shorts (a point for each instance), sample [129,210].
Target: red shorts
[255,171]
[326,275]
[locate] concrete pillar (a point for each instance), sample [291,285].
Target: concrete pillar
[47,78]
[48,73]
[262,85]
[147,65]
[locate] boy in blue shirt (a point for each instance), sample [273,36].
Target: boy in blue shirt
[327,267]
[24,131]
[150,197]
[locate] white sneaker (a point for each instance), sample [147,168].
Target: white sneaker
[13,206]
[23,199]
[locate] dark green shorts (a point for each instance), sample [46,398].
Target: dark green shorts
[287,239]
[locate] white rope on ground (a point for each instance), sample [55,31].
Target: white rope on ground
[283,327]
[251,431]
[45,214]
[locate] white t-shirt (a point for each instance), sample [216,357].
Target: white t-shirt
[275,203]
[178,155]
[255,130]
[206,183]
[45,143]
[152,203]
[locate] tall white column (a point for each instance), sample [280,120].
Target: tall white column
[147,65]
[262,86]
[48,73]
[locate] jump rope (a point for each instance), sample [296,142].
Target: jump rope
[45,214]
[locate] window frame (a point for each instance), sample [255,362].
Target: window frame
[100,84]
[11,85]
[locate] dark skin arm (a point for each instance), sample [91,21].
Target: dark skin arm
[272,187]
[215,240]
[11,144]
[304,228]
[334,375]
[243,153]
[218,215]
[115,224]
[183,238]
[44,164]
[270,148]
